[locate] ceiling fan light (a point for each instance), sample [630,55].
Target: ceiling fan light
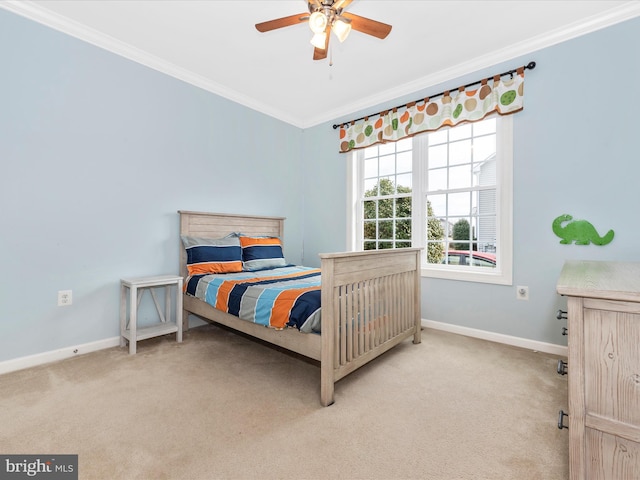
[318,40]
[318,22]
[341,29]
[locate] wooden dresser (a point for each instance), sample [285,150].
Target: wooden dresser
[603,311]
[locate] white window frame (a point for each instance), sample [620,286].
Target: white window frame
[503,273]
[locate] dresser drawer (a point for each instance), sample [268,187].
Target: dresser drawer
[612,365]
[611,457]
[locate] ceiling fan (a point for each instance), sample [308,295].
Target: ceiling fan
[324,17]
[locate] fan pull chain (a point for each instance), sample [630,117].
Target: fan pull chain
[330,63]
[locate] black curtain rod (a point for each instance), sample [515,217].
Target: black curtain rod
[529,66]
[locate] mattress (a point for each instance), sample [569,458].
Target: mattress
[277,298]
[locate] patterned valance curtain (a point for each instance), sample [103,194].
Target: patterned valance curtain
[503,97]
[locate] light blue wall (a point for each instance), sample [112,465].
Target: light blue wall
[575,151]
[98,153]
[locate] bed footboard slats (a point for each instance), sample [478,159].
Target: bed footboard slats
[372,312]
[369,304]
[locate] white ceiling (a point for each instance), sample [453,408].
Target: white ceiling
[213,44]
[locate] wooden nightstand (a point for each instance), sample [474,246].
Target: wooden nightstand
[129,330]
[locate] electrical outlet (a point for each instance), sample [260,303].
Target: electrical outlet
[522,293]
[64,298]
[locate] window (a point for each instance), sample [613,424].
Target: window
[448,192]
[387,173]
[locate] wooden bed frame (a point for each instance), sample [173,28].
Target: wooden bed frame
[370,300]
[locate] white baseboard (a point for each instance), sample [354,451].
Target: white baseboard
[55,355]
[498,337]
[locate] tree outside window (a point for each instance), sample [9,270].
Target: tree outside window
[387,220]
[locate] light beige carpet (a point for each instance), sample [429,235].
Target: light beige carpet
[220,406]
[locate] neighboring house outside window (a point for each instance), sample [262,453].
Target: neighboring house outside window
[449,192]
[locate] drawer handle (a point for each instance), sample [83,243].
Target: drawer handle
[562,315]
[565,331]
[561,416]
[562,367]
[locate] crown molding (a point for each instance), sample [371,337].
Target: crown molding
[63,24]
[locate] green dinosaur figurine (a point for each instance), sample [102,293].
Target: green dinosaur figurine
[579,231]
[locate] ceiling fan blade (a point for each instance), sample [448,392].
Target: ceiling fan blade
[368,26]
[282,22]
[319,53]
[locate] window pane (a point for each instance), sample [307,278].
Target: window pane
[403,145]
[371,187]
[437,180]
[435,252]
[386,186]
[485,173]
[484,127]
[385,208]
[459,204]
[438,156]
[460,177]
[438,205]
[385,229]
[403,207]
[404,183]
[369,245]
[404,162]
[487,221]
[403,229]
[371,167]
[371,152]
[453,259]
[370,209]
[460,152]
[459,132]
[481,262]
[487,201]
[387,165]
[387,148]
[370,230]
[484,147]
[461,228]
[438,137]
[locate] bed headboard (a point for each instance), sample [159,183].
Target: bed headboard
[218,225]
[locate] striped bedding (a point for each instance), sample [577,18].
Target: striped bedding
[278,298]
